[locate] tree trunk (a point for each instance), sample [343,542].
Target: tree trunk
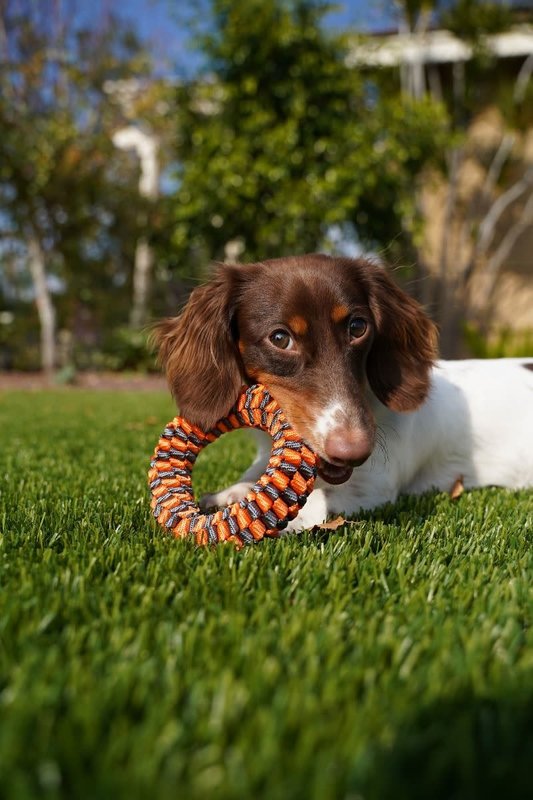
[43,300]
[142,278]
[146,146]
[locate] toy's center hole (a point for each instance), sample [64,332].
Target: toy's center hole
[222,463]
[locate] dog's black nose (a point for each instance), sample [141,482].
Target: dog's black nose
[346,446]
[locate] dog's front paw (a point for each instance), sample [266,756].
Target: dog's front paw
[226,497]
[313,513]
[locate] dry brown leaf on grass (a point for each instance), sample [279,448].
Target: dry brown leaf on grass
[333,524]
[458,488]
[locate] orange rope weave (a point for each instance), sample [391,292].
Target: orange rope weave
[275,499]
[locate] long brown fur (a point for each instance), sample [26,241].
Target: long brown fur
[404,348]
[198,352]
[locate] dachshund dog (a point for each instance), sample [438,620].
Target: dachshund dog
[351,358]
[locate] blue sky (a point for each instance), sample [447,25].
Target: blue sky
[161,22]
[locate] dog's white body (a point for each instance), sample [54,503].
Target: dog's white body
[476,425]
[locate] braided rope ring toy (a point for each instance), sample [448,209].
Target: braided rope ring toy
[275,499]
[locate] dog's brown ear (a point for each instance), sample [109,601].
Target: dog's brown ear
[199,352]
[404,347]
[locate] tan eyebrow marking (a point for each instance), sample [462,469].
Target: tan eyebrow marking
[298,324]
[338,313]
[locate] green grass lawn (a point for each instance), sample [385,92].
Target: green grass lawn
[392,658]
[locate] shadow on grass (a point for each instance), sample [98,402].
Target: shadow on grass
[406,511]
[461,749]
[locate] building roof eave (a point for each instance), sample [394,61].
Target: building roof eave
[436,47]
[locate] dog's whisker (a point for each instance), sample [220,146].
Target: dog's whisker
[381,442]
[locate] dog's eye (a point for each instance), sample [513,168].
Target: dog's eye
[357,327]
[281,339]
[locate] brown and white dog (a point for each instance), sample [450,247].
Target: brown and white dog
[351,359]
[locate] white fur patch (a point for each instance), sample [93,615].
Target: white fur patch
[327,418]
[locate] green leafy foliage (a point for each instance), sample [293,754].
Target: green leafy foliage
[61,181]
[54,145]
[506,343]
[280,140]
[392,658]
[471,20]
[125,349]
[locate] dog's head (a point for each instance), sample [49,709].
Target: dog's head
[320,332]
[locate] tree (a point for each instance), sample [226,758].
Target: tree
[62,192]
[279,140]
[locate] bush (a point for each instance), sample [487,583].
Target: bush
[122,349]
[504,343]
